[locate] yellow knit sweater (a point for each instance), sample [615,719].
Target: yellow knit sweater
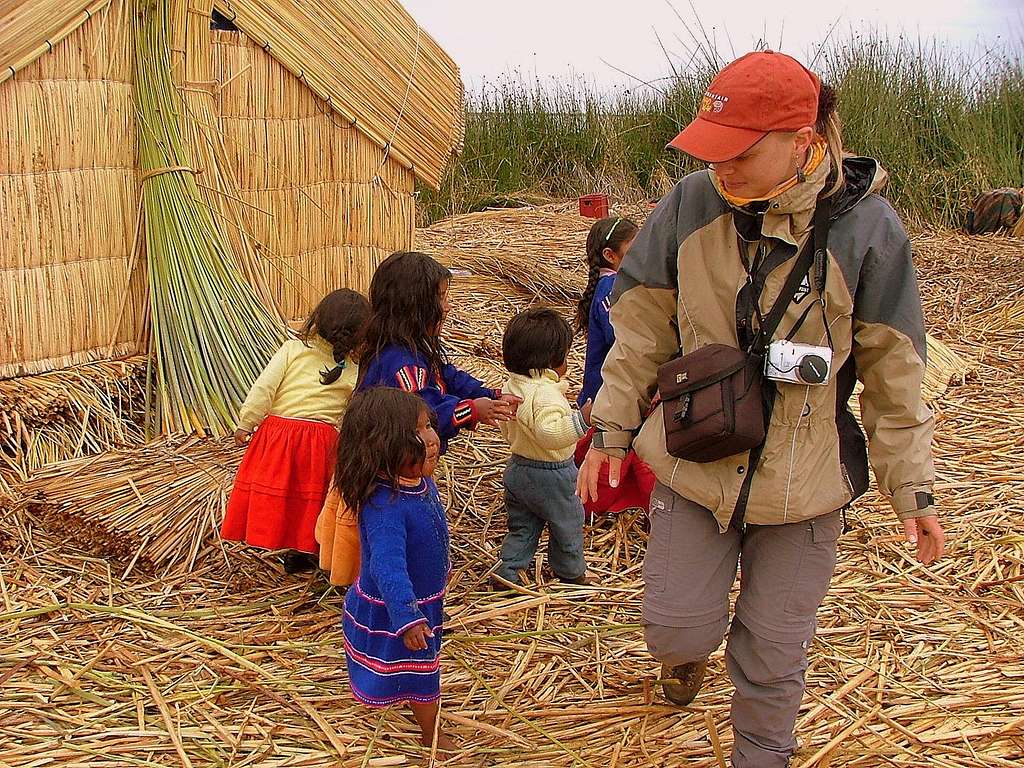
[290,386]
[546,427]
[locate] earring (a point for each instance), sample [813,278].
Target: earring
[800,177]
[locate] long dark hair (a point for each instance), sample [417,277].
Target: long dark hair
[612,232]
[405,307]
[339,319]
[378,438]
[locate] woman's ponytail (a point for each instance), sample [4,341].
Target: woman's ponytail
[829,127]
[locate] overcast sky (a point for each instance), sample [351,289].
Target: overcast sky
[557,37]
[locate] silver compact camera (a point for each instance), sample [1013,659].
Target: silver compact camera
[798,363]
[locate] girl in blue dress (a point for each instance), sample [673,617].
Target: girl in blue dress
[394,611]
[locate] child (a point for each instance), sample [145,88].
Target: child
[607,244]
[393,614]
[540,479]
[408,307]
[295,407]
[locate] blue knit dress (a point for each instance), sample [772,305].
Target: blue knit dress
[403,535]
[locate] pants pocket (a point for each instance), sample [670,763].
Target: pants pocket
[816,564]
[659,541]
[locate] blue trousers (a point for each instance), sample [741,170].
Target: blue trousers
[539,493]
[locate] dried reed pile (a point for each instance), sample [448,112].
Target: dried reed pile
[240,665]
[69,413]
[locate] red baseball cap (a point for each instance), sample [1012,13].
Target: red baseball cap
[758,93]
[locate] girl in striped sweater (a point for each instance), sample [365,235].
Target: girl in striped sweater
[402,348]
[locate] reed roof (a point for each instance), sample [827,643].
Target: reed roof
[371,61]
[374,65]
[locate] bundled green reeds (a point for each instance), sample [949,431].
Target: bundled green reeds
[210,333]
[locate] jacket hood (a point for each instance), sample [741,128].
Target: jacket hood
[862,176]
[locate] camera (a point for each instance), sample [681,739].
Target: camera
[798,363]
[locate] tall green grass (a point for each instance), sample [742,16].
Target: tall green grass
[946,123]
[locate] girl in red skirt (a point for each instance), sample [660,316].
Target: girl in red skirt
[295,408]
[607,244]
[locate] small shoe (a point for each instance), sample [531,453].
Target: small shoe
[298,562]
[583,581]
[501,586]
[682,683]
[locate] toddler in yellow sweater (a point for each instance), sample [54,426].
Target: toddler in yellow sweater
[540,479]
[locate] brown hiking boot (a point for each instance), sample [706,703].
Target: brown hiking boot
[682,683]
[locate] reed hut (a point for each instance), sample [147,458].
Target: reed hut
[305,126]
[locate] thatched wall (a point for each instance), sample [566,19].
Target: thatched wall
[308,195]
[322,203]
[68,201]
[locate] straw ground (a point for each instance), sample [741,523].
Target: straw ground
[236,664]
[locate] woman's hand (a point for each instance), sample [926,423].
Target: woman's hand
[415,637]
[493,412]
[590,473]
[927,534]
[241,437]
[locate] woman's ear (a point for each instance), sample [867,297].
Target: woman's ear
[802,141]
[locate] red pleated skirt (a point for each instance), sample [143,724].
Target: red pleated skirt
[281,484]
[636,483]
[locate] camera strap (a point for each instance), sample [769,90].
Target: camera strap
[814,253]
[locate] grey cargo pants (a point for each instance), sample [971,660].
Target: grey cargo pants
[688,572]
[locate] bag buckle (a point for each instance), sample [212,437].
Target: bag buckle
[684,406]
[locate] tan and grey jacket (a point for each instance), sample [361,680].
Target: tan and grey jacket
[684,285]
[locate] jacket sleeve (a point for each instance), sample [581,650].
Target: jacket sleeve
[890,349]
[643,319]
[261,395]
[463,384]
[602,316]
[454,412]
[556,425]
[387,564]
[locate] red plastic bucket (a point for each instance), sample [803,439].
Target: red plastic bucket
[594,206]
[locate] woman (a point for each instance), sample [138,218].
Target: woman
[707,268]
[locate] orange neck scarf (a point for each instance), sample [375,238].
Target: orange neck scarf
[816,155]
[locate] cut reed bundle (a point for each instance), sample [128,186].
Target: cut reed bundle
[69,413]
[374,65]
[157,507]
[211,335]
